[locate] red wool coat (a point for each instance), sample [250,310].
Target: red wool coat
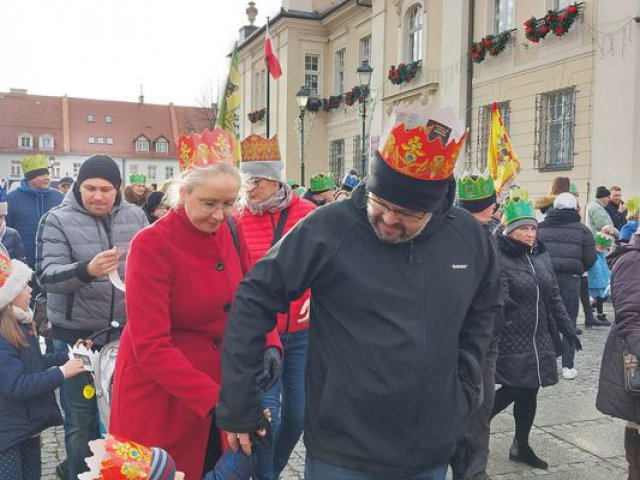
[180,285]
[259,230]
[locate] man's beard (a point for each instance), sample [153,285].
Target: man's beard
[404,235]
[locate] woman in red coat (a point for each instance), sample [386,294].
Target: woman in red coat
[182,273]
[272,209]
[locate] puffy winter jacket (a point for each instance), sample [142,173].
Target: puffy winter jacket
[68,239]
[598,217]
[569,243]
[526,353]
[12,242]
[625,296]
[27,382]
[26,207]
[259,230]
[397,335]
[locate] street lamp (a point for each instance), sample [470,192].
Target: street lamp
[52,164]
[364,76]
[302,98]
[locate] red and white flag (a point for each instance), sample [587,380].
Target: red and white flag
[273,64]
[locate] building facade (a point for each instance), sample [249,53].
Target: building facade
[141,137]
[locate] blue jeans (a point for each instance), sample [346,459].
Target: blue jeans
[287,416]
[315,469]
[80,418]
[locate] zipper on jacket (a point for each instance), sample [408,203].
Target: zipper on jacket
[535,330]
[107,227]
[273,227]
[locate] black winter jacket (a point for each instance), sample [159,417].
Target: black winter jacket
[625,296]
[569,243]
[533,314]
[617,217]
[397,335]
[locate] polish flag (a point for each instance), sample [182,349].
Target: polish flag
[273,64]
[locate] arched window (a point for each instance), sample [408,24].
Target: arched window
[414,34]
[142,144]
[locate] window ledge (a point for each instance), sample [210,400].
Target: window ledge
[556,167]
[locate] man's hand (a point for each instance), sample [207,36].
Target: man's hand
[622,207]
[104,263]
[271,368]
[608,229]
[243,440]
[305,311]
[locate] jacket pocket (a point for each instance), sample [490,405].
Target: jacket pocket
[70,299]
[471,379]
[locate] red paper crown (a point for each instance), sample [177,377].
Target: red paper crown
[420,154]
[118,459]
[206,149]
[259,149]
[6,267]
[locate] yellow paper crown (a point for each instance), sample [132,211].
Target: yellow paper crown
[259,149]
[34,162]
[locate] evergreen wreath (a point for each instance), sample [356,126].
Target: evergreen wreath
[557,21]
[494,45]
[404,73]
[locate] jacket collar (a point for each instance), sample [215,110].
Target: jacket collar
[515,248]
[561,217]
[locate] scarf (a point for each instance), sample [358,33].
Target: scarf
[23,316]
[281,200]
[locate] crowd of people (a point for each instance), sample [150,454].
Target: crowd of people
[388,318]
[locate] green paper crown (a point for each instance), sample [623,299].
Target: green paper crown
[34,162]
[478,188]
[633,204]
[518,206]
[322,182]
[603,240]
[137,178]
[573,188]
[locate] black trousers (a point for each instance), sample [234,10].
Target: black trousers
[569,286]
[585,300]
[525,404]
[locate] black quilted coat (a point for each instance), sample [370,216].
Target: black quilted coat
[533,315]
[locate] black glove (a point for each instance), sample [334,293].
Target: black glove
[271,368]
[575,341]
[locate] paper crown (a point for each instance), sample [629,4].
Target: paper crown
[422,143]
[633,204]
[259,149]
[137,178]
[35,162]
[117,459]
[206,149]
[573,188]
[603,240]
[518,206]
[478,188]
[322,182]
[14,276]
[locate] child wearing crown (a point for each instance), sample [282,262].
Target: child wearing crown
[600,275]
[27,377]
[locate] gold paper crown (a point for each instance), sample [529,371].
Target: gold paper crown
[206,149]
[259,149]
[420,152]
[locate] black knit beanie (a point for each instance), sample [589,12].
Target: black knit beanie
[100,166]
[28,176]
[602,192]
[408,192]
[476,206]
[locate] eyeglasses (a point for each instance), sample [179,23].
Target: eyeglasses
[399,214]
[210,207]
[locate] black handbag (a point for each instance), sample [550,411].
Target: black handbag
[43,325]
[631,370]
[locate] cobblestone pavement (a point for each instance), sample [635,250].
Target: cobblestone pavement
[576,440]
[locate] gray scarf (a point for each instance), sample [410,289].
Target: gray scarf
[281,200]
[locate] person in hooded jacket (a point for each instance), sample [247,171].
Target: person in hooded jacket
[533,314]
[572,250]
[137,191]
[612,399]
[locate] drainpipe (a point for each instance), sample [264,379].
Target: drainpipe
[472,9]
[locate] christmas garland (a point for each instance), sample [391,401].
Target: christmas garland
[257,115]
[404,73]
[356,94]
[314,104]
[494,45]
[559,22]
[332,103]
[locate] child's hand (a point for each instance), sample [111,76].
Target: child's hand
[72,368]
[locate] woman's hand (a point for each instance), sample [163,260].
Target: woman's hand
[72,368]
[305,311]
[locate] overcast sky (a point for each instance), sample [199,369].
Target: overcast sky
[107,48]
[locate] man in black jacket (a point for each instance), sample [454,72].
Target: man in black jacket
[572,250]
[616,207]
[405,289]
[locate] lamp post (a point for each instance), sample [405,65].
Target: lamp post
[302,98]
[364,76]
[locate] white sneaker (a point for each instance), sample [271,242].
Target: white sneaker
[569,373]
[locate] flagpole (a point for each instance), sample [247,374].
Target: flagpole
[268,84]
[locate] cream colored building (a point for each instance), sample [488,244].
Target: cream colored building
[571,103]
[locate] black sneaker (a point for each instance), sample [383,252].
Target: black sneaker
[578,331]
[602,317]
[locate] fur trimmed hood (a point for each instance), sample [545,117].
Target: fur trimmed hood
[131,197]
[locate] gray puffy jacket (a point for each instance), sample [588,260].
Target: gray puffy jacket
[68,238]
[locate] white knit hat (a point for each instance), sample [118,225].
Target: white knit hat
[565,201]
[14,276]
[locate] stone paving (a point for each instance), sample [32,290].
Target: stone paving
[576,440]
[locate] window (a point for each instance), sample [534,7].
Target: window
[311,73]
[340,60]
[133,169]
[151,172]
[414,34]
[336,161]
[25,141]
[56,170]
[360,162]
[168,172]
[555,129]
[108,119]
[91,140]
[142,144]
[16,168]
[91,118]
[100,140]
[162,146]
[45,142]
[259,98]
[484,125]
[76,169]
[365,49]
[503,15]
[560,4]
[109,140]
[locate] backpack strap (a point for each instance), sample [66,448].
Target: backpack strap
[234,233]
[279,230]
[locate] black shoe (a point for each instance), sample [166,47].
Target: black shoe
[62,470]
[578,331]
[523,453]
[602,317]
[594,323]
